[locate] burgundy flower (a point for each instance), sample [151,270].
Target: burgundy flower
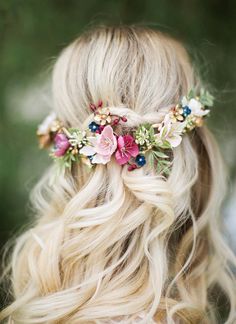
[61,144]
[126,148]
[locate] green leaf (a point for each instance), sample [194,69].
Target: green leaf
[206,98]
[151,159]
[151,131]
[160,154]
[163,167]
[164,162]
[164,145]
[191,94]
[73,129]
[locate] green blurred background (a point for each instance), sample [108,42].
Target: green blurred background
[32,33]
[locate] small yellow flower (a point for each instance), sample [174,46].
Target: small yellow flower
[103,116]
[178,113]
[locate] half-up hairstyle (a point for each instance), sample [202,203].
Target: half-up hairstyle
[113,246]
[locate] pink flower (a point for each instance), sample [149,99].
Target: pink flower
[62,144]
[126,148]
[101,147]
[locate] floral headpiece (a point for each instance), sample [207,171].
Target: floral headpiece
[147,143]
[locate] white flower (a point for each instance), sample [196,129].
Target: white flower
[45,127]
[195,106]
[171,131]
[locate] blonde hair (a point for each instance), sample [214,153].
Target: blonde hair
[109,245]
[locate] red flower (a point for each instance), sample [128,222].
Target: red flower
[126,148]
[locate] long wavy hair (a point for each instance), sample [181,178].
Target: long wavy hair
[112,246]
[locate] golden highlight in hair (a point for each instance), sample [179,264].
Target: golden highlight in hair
[113,246]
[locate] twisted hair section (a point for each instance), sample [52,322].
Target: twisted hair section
[112,246]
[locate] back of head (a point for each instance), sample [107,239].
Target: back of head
[113,245]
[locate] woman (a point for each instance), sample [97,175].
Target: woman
[127,229]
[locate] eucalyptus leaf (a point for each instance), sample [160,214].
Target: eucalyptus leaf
[151,131]
[206,98]
[160,154]
[151,159]
[164,145]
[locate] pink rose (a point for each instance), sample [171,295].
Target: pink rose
[127,148]
[102,146]
[61,144]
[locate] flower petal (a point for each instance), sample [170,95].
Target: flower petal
[107,143]
[134,151]
[122,158]
[107,131]
[97,118]
[177,128]
[101,159]
[196,108]
[62,144]
[120,142]
[201,112]
[175,140]
[94,139]
[87,150]
[44,127]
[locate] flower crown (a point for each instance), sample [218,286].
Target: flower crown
[147,143]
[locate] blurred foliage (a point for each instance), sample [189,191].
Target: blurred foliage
[32,33]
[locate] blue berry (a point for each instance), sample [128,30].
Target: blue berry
[93,127]
[140,160]
[186,111]
[90,157]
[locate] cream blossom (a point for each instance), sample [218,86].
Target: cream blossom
[195,106]
[45,127]
[170,131]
